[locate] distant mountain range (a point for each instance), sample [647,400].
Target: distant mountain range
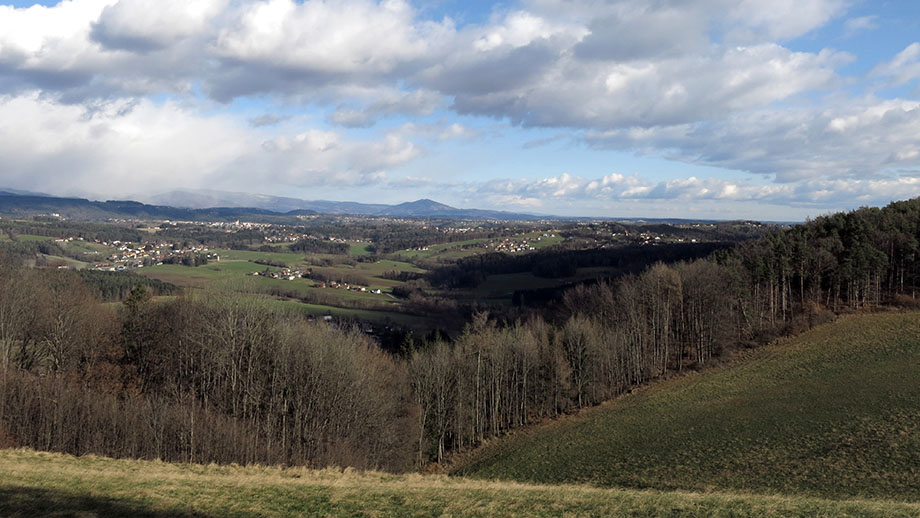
[203,198]
[225,206]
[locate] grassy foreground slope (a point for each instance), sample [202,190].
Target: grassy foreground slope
[832,413]
[45,484]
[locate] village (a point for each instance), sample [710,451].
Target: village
[290,274]
[128,255]
[513,246]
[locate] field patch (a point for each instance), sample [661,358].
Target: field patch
[832,413]
[42,484]
[359,249]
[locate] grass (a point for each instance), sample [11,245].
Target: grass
[833,413]
[290,258]
[95,249]
[67,261]
[217,271]
[459,249]
[359,249]
[317,310]
[228,271]
[46,484]
[544,241]
[237,273]
[386,265]
[440,248]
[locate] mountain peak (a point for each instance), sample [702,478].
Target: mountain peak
[426,204]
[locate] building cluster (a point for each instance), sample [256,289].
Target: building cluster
[290,274]
[130,255]
[512,246]
[285,274]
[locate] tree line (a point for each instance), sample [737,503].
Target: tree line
[117,286]
[207,379]
[53,227]
[616,335]
[319,246]
[554,262]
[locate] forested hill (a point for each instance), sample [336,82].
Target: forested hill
[669,318]
[867,256]
[21,205]
[86,210]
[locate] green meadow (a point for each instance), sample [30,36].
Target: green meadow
[234,272]
[833,413]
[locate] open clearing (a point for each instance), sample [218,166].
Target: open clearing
[833,413]
[235,268]
[44,484]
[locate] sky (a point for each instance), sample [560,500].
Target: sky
[723,109]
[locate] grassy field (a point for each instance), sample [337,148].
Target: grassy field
[290,258]
[437,249]
[96,249]
[833,413]
[543,242]
[236,274]
[318,310]
[359,249]
[458,249]
[237,265]
[65,261]
[45,484]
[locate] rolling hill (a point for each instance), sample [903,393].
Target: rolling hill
[209,198]
[833,413]
[21,205]
[213,206]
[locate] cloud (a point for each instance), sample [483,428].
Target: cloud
[625,36]
[905,66]
[409,182]
[863,139]
[385,103]
[313,44]
[736,21]
[779,19]
[442,130]
[147,25]
[267,119]
[692,191]
[581,64]
[123,147]
[531,144]
[597,95]
[860,24]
